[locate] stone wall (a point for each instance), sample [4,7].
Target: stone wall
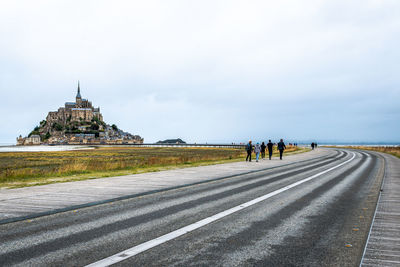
[52,116]
[84,114]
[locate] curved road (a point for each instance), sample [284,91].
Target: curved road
[314,213]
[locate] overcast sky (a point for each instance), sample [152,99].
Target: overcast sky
[207,71]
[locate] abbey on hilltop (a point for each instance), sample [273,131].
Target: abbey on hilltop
[77,123]
[81,109]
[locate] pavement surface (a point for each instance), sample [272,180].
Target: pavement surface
[383,247]
[28,202]
[311,209]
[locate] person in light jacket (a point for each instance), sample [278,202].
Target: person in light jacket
[257,150]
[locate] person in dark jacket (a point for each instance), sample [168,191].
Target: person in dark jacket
[249,149]
[281,147]
[270,146]
[263,147]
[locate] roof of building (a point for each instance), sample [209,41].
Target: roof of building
[70,103]
[81,109]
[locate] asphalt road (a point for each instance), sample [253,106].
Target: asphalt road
[315,213]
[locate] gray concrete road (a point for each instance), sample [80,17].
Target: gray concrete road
[312,213]
[23,203]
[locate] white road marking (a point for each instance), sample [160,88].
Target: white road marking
[123,255]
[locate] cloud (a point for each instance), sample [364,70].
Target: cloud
[209,70]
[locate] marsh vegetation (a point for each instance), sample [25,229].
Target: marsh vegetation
[18,169]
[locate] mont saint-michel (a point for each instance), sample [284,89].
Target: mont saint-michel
[77,123]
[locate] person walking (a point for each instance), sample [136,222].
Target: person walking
[263,147]
[312,145]
[257,150]
[270,146]
[249,149]
[281,147]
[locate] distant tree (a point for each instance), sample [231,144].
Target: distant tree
[47,136]
[94,126]
[114,127]
[96,119]
[57,126]
[36,129]
[33,133]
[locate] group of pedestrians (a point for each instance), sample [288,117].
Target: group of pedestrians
[260,149]
[313,145]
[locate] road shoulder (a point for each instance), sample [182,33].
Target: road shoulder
[383,246]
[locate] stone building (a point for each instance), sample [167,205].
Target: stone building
[80,110]
[31,140]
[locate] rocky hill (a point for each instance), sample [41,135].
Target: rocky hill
[172,141]
[76,123]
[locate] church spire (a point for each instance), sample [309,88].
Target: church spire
[78,95]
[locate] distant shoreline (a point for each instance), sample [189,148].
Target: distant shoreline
[42,148]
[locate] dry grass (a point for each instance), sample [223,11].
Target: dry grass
[18,169]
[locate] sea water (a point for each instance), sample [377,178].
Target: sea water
[41,148]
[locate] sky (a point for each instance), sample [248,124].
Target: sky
[207,71]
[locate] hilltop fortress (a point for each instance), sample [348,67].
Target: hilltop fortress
[77,123]
[80,110]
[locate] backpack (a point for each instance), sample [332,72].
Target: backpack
[248,147]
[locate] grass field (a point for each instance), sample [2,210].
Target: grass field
[395,151]
[19,169]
